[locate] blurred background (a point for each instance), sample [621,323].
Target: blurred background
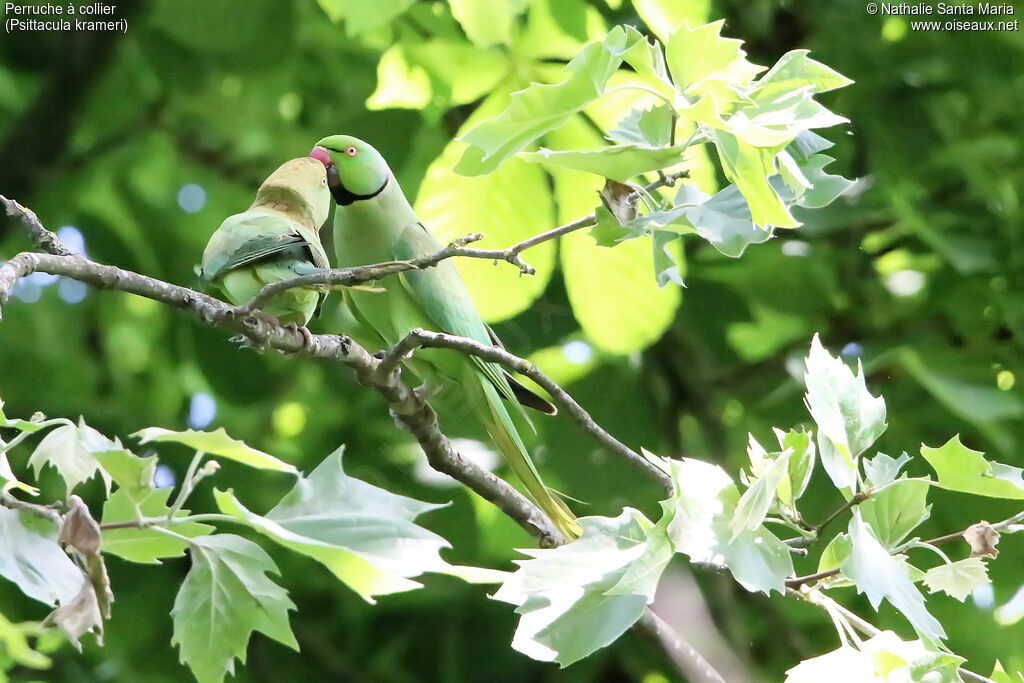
[135,146]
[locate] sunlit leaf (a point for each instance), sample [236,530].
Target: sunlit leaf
[618,162]
[364,535]
[749,168]
[882,469]
[701,53]
[651,127]
[399,83]
[796,71]
[225,597]
[845,665]
[541,108]
[801,463]
[703,504]
[565,595]
[896,510]
[360,16]
[144,545]
[880,576]
[957,579]
[71,450]
[664,17]
[849,418]
[14,643]
[216,443]
[507,206]
[8,481]
[961,469]
[33,560]
[753,505]
[488,22]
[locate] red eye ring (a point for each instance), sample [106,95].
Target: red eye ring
[351,150]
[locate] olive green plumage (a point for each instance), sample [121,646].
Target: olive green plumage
[275,239]
[374,222]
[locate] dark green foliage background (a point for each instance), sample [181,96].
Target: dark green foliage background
[100,132]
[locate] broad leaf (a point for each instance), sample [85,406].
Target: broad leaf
[700,54]
[753,505]
[33,560]
[506,206]
[911,660]
[703,505]
[880,576]
[961,469]
[897,510]
[8,481]
[845,665]
[144,545]
[801,464]
[882,469]
[618,162]
[650,127]
[571,599]
[849,418]
[364,535]
[796,71]
[216,443]
[957,579]
[541,108]
[71,450]
[225,597]
[30,426]
[664,17]
[724,220]
[487,22]
[749,168]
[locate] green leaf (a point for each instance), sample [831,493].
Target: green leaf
[71,450]
[796,71]
[541,108]
[618,162]
[750,168]
[364,535]
[1000,675]
[882,469]
[849,418]
[879,575]
[507,206]
[669,261]
[835,553]
[961,469]
[10,481]
[400,85]
[976,403]
[33,560]
[896,510]
[225,597]
[14,644]
[845,665]
[911,660]
[801,464]
[30,426]
[458,70]
[131,473]
[571,599]
[724,220]
[753,505]
[703,504]
[361,16]
[651,127]
[664,17]
[144,545]
[957,579]
[216,443]
[487,22]
[699,54]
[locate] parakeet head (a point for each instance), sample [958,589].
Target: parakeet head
[296,182]
[355,170]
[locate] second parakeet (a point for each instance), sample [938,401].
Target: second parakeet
[373,223]
[275,239]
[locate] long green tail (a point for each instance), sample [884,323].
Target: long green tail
[502,430]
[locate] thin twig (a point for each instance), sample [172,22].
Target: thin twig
[561,398]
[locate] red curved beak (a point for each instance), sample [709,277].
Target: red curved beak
[321,155]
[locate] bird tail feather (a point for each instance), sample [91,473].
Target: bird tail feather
[503,431]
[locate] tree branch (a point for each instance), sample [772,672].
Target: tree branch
[561,398]
[411,412]
[689,662]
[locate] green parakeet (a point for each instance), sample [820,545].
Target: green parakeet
[276,239]
[373,222]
